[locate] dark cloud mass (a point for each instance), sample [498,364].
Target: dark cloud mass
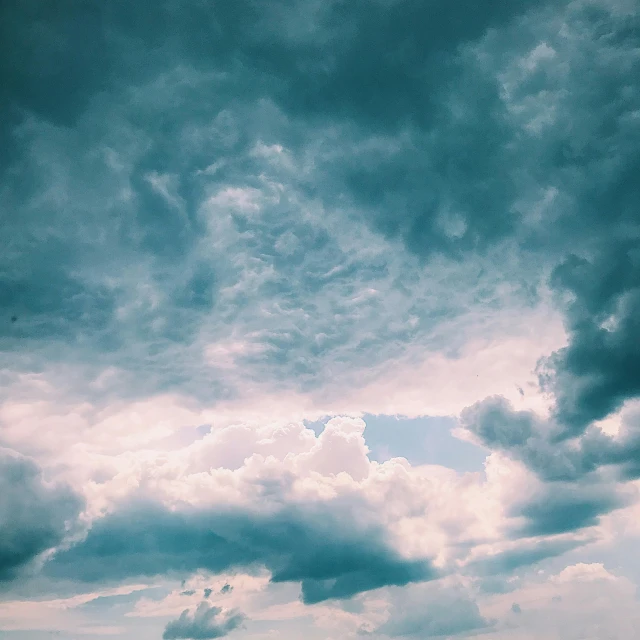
[322,549]
[450,127]
[565,509]
[600,369]
[33,513]
[205,623]
[527,554]
[386,108]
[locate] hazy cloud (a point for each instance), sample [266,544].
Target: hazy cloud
[204,623]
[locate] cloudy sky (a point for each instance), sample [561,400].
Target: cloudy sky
[319,319]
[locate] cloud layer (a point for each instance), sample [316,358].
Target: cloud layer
[234,230]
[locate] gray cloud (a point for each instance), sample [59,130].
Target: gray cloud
[577,491]
[33,513]
[319,547]
[524,555]
[120,153]
[205,623]
[446,150]
[447,613]
[562,509]
[497,425]
[533,441]
[598,371]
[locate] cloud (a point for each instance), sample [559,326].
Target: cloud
[597,372]
[561,509]
[319,547]
[432,613]
[243,216]
[523,556]
[141,192]
[33,513]
[576,489]
[497,425]
[573,602]
[205,623]
[533,440]
[473,142]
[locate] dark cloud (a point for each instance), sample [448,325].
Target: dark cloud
[599,279]
[33,513]
[204,623]
[411,127]
[362,60]
[584,152]
[524,555]
[533,441]
[497,425]
[577,491]
[124,122]
[599,370]
[563,509]
[323,549]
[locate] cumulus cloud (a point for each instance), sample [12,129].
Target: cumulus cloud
[34,514]
[205,623]
[533,439]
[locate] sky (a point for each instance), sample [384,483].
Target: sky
[319,319]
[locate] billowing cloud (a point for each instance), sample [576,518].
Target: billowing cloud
[598,371]
[322,548]
[34,514]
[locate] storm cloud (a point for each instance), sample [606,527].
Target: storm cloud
[34,514]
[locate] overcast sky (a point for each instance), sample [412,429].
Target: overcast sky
[319,319]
